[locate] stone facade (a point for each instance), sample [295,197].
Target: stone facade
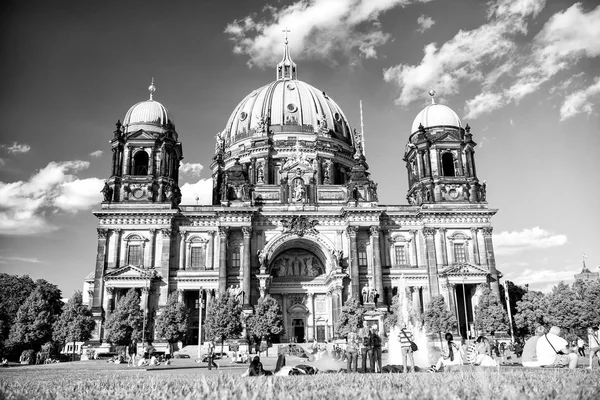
[295,215]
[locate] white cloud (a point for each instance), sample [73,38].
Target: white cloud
[96,153]
[424,23]
[320,29]
[193,169]
[7,260]
[16,148]
[495,50]
[507,243]
[25,205]
[201,189]
[580,101]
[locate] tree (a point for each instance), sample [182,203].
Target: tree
[564,308]
[124,325]
[438,318]
[490,315]
[33,324]
[531,312]
[351,317]
[267,319]
[75,324]
[589,294]
[172,323]
[224,318]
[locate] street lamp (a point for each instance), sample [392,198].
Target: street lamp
[146,274]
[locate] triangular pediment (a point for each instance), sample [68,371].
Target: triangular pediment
[142,135]
[130,272]
[465,269]
[449,136]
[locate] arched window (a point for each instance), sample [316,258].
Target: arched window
[140,163]
[448,164]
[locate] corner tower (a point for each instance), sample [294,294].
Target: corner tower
[440,159]
[145,156]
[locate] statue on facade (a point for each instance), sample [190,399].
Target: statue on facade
[107,192]
[298,190]
[262,258]
[263,124]
[482,191]
[220,143]
[260,174]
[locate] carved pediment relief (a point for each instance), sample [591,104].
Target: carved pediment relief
[465,269]
[296,265]
[141,134]
[130,272]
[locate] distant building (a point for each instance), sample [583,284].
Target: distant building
[586,274]
[295,215]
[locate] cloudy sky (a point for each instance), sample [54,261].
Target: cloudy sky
[525,74]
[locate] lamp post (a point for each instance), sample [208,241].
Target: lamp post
[463,273]
[146,274]
[507,298]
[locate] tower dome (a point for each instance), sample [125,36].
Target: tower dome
[149,114]
[435,115]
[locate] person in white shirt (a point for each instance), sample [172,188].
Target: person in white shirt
[529,356]
[553,351]
[594,343]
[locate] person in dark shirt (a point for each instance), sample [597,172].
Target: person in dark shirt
[375,340]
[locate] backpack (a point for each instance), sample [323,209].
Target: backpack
[471,355]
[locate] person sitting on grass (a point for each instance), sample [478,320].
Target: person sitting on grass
[255,368]
[484,353]
[529,357]
[154,361]
[553,351]
[451,357]
[594,344]
[143,362]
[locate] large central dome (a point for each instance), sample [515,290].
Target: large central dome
[287,106]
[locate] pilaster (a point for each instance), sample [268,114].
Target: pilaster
[247,232]
[354,276]
[432,270]
[223,234]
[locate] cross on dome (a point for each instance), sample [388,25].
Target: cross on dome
[432,94]
[152,88]
[286,69]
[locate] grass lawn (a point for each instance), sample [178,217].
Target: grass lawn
[98,380]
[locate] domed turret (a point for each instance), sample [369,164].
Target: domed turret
[286,131]
[440,159]
[149,114]
[146,156]
[435,115]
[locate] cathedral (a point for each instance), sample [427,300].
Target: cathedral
[294,214]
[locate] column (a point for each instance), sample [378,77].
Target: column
[152,248]
[420,165]
[377,275]
[285,315]
[165,264]
[223,233]
[443,245]
[110,292]
[427,163]
[247,232]
[211,250]
[101,254]
[200,306]
[476,258]
[311,318]
[413,244]
[118,235]
[182,236]
[336,300]
[432,270]
[414,291]
[490,258]
[354,277]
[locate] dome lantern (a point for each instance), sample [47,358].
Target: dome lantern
[286,69]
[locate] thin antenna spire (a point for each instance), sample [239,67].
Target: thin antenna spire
[362,130]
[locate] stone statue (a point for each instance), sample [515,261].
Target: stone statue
[220,143]
[482,191]
[107,192]
[263,124]
[262,258]
[260,174]
[299,190]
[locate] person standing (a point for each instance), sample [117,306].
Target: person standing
[352,351]
[210,355]
[131,352]
[375,349]
[580,346]
[406,338]
[364,338]
[594,343]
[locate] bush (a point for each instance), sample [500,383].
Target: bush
[27,357]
